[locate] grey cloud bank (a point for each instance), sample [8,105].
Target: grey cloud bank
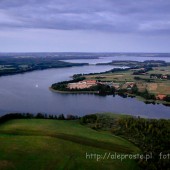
[135,20]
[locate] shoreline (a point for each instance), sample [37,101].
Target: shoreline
[32,70]
[73,92]
[150,101]
[139,98]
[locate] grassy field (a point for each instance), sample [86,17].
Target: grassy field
[59,144]
[116,77]
[156,86]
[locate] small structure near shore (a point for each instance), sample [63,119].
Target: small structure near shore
[160,96]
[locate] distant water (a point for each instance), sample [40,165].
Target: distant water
[30,92]
[123,57]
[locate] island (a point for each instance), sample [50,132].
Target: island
[148,81]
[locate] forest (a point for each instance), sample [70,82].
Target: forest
[15,65]
[150,135]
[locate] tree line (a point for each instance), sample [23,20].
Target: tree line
[11,116]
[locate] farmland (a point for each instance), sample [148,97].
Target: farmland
[154,81]
[156,86]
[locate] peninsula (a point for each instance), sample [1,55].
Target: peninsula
[10,65]
[148,80]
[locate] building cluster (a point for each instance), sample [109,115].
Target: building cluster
[128,85]
[89,83]
[159,76]
[160,96]
[82,84]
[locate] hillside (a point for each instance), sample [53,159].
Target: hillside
[59,144]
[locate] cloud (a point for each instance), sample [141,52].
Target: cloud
[117,16]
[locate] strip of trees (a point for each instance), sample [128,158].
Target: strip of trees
[150,135]
[11,116]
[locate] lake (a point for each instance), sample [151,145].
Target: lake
[123,57]
[29,92]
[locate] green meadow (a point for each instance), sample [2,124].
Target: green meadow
[43,144]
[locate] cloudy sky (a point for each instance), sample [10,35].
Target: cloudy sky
[85,25]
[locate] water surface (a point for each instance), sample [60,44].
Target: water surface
[123,57]
[29,92]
